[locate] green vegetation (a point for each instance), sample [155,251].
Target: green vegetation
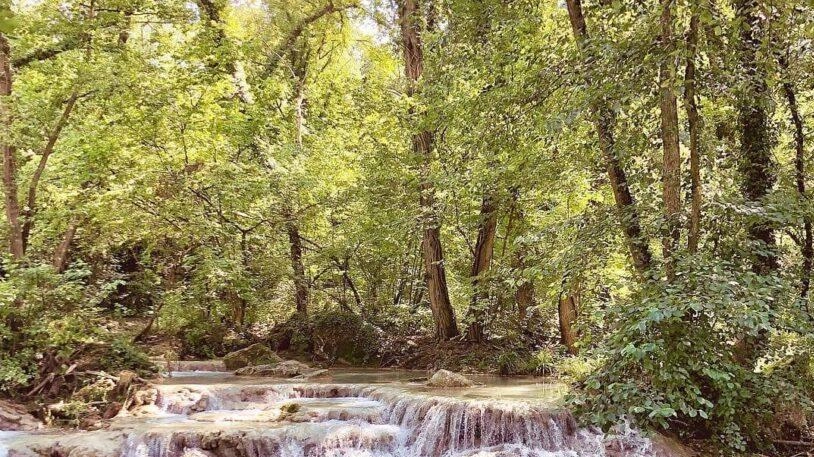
[615,192]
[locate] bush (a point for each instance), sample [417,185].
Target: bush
[688,355]
[203,340]
[340,334]
[331,334]
[576,369]
[49,321]
[121,354]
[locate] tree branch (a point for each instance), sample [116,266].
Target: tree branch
[288,42]
[31,203]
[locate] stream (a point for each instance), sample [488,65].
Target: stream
[359,413]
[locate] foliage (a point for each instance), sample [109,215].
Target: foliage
[678,356]
[248,173]
[46,317]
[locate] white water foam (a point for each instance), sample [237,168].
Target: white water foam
[339,420]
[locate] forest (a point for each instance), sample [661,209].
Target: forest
[612,194]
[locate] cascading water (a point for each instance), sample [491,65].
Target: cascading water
[329,420]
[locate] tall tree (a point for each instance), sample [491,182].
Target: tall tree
[800,175]
[671,162]
[446,326]
[299,65]
[481,262]
[604,120]
[16,244]
[694,128]
[756,135]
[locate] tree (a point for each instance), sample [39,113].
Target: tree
[671,163]
[422,146]
[604,120]
[756,136]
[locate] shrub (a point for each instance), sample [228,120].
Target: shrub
[123,355]
[688,355]
[576,369]
[202,339]
[54,320]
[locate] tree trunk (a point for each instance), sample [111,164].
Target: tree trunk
[299,108]
[300,281]
[212,10]
[482,261]
[12,204]
[756,163]
[756,135]
[807,243]
[432,252]
[605,119]
[524,296]
[344,269]
[671,163]
[61,255]
[301,292]
[31,203]
[694,123]
[567,312]
[435,274]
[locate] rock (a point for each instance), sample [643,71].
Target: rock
[291,368]
[313,374]
[290,407]
[126,379]
[259,370]
[199,365]
[15,418]
[112,410]
[665,446]
[196,453]
[144,397]
[256,354]
[286,369]
[445,378]
[97,391]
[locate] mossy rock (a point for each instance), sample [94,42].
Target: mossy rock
[445,378]
[256,354]
[287,369]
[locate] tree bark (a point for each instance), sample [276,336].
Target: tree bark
[301,291]
[604,119]
[567,313]
[757,164]
[524,296]
[671,162]
[279,51]
[295,251]
[61,254]
[12,204]
[481,263]
[807,243]
[212,10]
[435,273]
[694,124]
[347,281]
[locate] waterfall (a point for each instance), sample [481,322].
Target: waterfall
[378,422]
[339,420]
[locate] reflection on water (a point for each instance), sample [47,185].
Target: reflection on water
[536,389]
